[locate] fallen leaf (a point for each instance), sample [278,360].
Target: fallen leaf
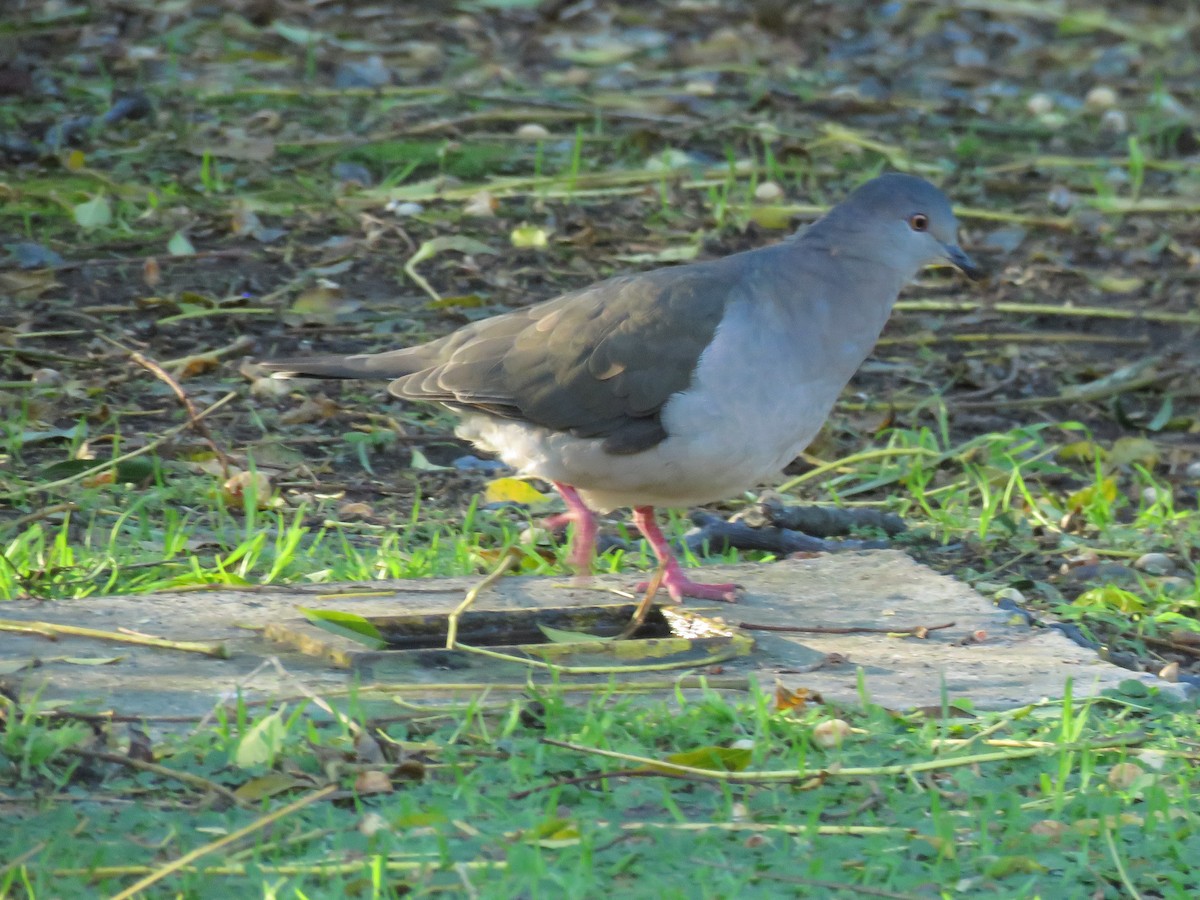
[267,786]
[95,213]
[513,490]
[262,742]
[787,699]
[527,237]
[717,759]
[1129,450]
[346,624]
[563,636]
[244,488]
[372,781]
[482,206]
[1111,597]
[27,285]
[179,245]
[422,464]
[1103,491]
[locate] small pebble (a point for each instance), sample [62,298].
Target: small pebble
[1010,593]
[1114,122]
[1155,563]
[1165,102]
[533,132]
[475,464]
[768,192]
[1060,198]
[353,173]
[1049,828]
[371,824]
[405,209]
[48,377]
[1004,240]
[1123,775]
[1039,104]
[968,57]
[1117,177]
[830,733]
[1101,97]
[1193,471]
[1155,494]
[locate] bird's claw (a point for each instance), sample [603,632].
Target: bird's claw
[680,586]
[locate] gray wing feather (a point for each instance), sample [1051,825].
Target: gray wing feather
[600,362]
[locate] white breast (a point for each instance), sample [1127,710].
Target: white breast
[760,394]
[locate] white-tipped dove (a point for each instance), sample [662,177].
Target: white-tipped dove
[682,385]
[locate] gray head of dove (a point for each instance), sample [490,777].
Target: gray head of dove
[900,221]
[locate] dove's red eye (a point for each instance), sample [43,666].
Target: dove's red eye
[918,222]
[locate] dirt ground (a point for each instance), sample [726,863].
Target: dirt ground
[268,169]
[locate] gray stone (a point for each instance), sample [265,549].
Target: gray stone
[988,656]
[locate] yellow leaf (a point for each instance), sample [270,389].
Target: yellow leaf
[718,759]
[1114,284]
[267,786]
[529,237]
[513,490]
[1084,451]
[1105,491]
[1111,597]
[75,160]
[1129,450]
[787,699]
[771,216]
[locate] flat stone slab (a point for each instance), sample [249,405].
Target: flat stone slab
[987,656]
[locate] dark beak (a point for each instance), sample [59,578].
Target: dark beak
[959,259]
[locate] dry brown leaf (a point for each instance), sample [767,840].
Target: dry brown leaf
[372,782]
[241,486]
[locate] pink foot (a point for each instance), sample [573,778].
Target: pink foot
[677,584]
[583,543]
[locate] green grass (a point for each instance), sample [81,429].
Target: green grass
[1089,483]
[1097,795]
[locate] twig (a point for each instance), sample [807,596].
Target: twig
[1127,378]
[16,861]
[1116,858]
[639,615]
[507,561]
[187,778]
[165,260]
[258,824]
[198,425]
[55,630]
[776,776]
[1096,20]
[731,652]
[316,869]
[1014,337]
[824,888]
[916,630]
[1050,309]
[166,436]
[854,460]
[43,513]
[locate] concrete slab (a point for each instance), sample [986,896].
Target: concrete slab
[985,656]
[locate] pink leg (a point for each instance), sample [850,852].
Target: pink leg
[677,584]
[583,544]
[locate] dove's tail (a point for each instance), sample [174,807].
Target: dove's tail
[394,364]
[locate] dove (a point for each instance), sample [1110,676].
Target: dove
[682,385]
